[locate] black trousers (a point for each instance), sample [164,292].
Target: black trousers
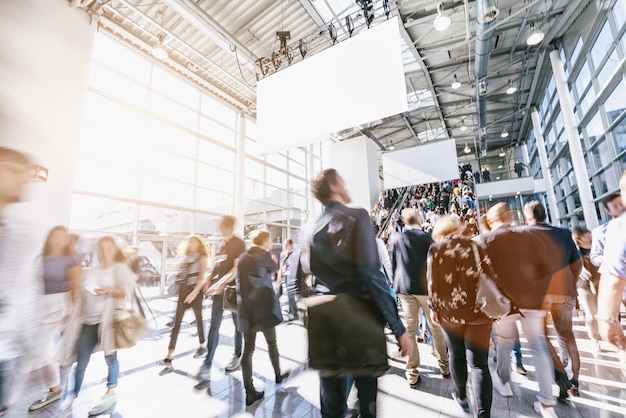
[334,392]
[469,344]
[181,307]
[249,342]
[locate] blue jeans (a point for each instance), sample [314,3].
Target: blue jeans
[334,393]
[217,312]
[87,341]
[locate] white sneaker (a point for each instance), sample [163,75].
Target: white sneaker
[545,411]
[105,406]
[503,389]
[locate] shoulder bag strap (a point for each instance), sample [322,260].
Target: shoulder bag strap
[479,264]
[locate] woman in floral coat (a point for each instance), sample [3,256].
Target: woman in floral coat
[452,281]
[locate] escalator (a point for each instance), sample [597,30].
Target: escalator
[398,204]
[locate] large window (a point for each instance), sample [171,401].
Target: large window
[598,86]
[157,161]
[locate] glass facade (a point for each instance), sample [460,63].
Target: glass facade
[594,66]
[157,161]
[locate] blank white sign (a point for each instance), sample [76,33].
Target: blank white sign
[355,82]
[421,165]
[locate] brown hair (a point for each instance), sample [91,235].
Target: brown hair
[47,247]
[260,236]
[228,222]
[118,257]
[186,246]
[535,211]
[320,185]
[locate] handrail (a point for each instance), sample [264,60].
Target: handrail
[397,205]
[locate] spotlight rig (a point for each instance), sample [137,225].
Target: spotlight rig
[286,53]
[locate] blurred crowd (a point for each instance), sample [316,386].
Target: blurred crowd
[432,201]
[56,311]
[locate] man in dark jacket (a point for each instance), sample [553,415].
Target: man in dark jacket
[408,259]
[560,298]
[340,250]
[519,260]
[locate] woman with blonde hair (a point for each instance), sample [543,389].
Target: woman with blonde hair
[191,272]
[59,270]
[104,289]
[454,265]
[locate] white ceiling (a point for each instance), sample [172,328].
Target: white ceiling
[216,42]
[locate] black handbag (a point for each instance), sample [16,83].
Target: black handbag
[230,298]
[346,336]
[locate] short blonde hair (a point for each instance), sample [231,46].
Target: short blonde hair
[445,227]
[409,216]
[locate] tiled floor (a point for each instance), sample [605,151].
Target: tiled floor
[143,393]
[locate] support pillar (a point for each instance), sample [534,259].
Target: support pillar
[575,148]
[545,169]
[310,174]
[240,173]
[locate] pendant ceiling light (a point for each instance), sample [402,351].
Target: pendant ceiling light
[502,153]
[463,126]
[535,37]
[511,89]
[504,133]
[442,21]
[159,51]
[467,149]
[455,83]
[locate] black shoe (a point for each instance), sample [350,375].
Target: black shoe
[564,385]
[203,384]
[574,391]
[200,352]
[253,397]
[168,367]
[281,377]
[519,369]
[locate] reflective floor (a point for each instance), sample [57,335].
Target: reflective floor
[143,393]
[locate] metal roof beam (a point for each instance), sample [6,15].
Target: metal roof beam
[201,20]
[429,81]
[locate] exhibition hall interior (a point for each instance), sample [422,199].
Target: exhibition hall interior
[165,132]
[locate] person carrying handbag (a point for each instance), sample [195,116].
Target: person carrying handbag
[340,250]
[104,290]
[453,276]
